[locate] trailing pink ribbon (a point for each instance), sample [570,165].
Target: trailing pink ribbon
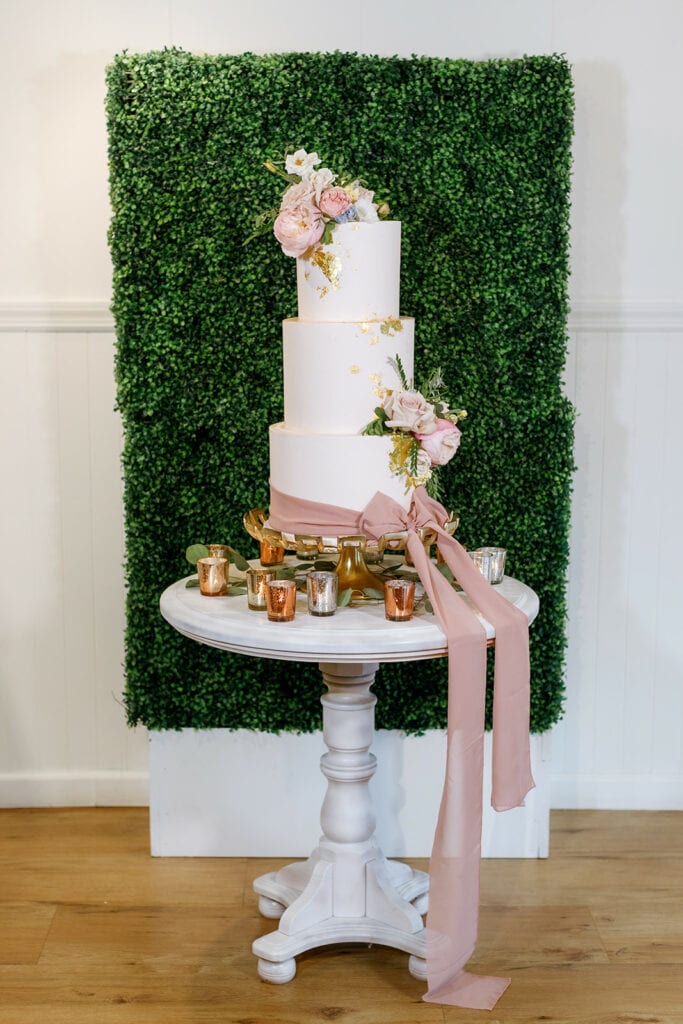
[453,915]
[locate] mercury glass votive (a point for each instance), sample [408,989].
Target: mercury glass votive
[482,560]
[213,576]
[497,570]
[256,588]
[321,588]
[399,599]
[271,554]
[281,600]
[219,551]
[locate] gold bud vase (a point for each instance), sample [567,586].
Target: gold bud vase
[351,568]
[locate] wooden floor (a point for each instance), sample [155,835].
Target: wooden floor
[95,931]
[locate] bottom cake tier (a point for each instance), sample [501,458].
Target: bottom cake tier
[332,468]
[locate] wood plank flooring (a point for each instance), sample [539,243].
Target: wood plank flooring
[95,931]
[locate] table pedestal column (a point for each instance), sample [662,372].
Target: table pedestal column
[347,891]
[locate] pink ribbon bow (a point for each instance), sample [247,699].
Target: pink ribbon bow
[452,919]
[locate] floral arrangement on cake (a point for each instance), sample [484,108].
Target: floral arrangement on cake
[315,200]
[423,428]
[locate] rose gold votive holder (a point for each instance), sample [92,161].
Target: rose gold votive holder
[256,588]
[281,600]
[399,599]
[271,554]
[213,576]
[219,551]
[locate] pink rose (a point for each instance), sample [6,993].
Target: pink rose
[298,228]
[334,201]
[409,410]
[442,444]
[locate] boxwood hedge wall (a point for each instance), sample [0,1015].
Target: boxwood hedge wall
[475,159]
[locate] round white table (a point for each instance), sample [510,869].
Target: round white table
[347,890]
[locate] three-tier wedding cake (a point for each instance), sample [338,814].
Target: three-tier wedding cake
[349,352]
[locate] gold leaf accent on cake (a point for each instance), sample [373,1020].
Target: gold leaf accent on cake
[354,369]
[364,328]
[376,380]
[329,265]
[374,339]
[307,274]
[392,325]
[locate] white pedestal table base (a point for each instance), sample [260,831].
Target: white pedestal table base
[347,891]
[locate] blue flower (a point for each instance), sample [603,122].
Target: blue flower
[348,214]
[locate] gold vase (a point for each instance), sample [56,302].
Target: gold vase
[352,571]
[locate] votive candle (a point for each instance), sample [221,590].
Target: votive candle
[399,599]
[271,554]
[281,600]
[213,576]
[497,569]
[256,588]
[321,588]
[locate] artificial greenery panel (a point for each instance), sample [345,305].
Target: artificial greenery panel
[475,160]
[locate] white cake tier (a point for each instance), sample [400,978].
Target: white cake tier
[355,277]
[333,371]
[334,469]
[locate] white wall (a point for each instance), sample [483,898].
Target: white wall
[62,734]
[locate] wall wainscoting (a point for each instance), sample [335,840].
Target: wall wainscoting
[63,736]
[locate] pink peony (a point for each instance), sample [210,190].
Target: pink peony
[297,228]
[409,410]
[334,201]
[442,444]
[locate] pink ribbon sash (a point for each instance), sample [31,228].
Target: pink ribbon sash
[453,915]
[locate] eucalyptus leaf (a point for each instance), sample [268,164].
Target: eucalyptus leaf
[284,572]
[344,598]
[445,570]
[377,595]
[194,582]
[195,552]
[240,561]
[323,566]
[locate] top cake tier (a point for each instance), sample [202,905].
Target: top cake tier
[355,277]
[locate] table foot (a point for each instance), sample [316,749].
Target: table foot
[417,967]
[276,951]
[270,908]
[277,972]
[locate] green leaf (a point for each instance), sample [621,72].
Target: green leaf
[240,562]
[323,566]
[195,552]
[445,571]
[377,595]
[194,582]
[344,598]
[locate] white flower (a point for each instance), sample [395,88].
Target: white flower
[318,181]
[409,410]
[366,211]
[301,162]
[297,194]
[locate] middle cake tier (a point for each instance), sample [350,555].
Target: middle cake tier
[333,372]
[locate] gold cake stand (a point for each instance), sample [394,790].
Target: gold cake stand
[354,552]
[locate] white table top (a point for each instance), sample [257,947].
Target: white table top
[354,634]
